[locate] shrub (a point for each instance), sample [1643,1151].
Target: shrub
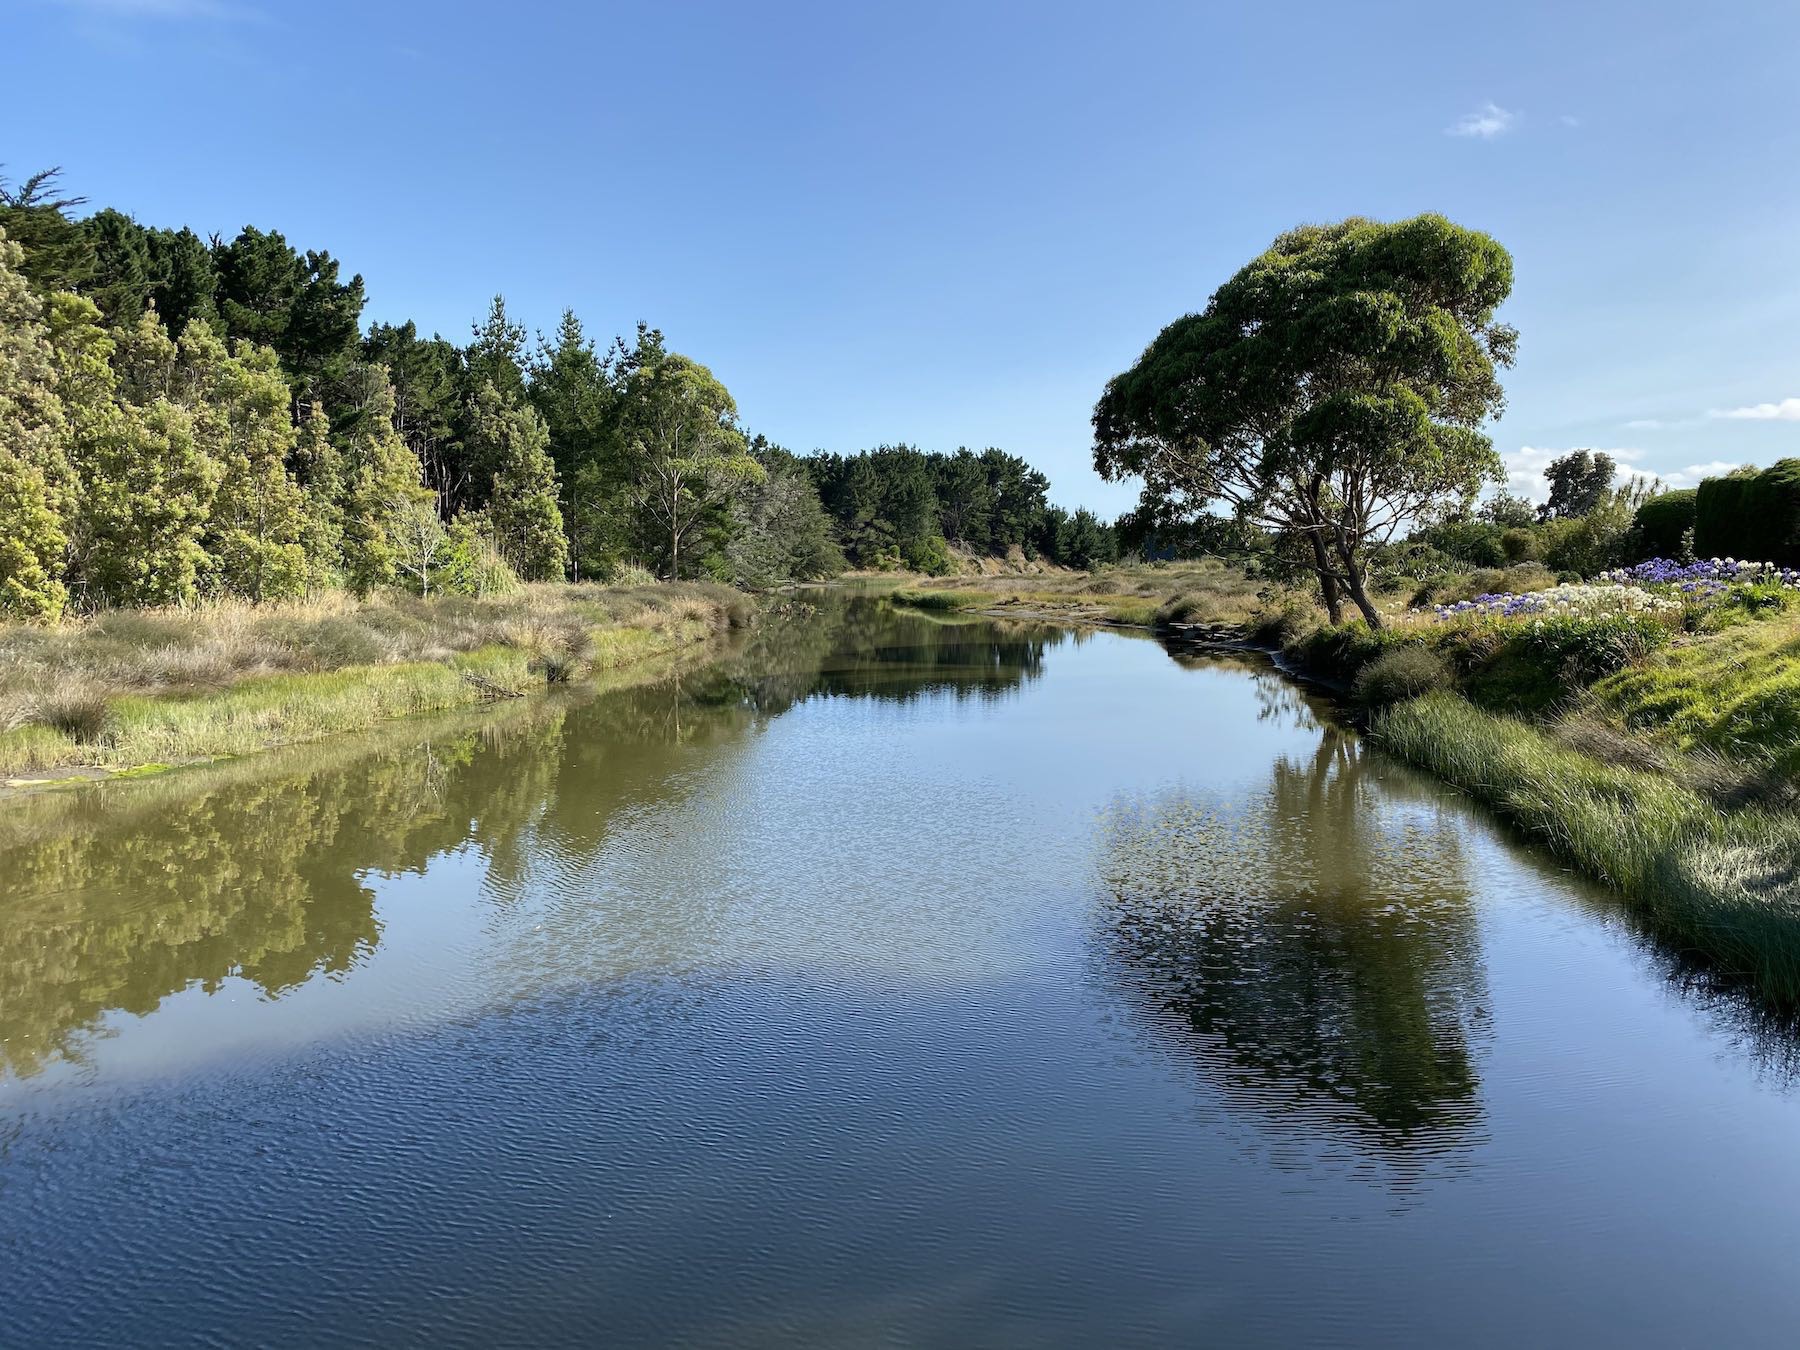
[1395,676]
[1581,648]
[930,555]
[1590,543]
[471,563]
[1662,523]
[1284,622]
[1520,544]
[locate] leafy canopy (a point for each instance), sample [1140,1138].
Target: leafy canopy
[1333,389]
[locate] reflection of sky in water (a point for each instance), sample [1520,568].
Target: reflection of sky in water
[893,978]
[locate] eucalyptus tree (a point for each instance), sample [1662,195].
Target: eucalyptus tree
[1332,390]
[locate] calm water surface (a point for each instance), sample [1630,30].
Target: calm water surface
[888,982]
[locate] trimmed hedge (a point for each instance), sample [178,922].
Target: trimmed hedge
[1663,520]
[1751,515]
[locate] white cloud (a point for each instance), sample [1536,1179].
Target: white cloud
[1486,122]
[1569,120]
[1646,424]
[1525,467]
[1788,410]
[1695,473]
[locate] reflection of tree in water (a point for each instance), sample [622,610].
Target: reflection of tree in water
[117,898]
[1316,947]
[844,645]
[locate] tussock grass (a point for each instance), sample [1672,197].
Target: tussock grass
[141,687]
[1724,884]
[915,598]
[1144,595]
[1737,692]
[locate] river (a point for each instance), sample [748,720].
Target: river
[885,980]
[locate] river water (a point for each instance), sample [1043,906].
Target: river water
[886,981]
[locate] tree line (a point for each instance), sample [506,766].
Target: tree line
[184,417]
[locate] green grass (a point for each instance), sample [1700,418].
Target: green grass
[1736,692]
[919,598]
[132,690]
[1724,885]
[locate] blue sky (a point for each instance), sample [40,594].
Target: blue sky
[950,224]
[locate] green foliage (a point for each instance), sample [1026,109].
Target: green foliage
[1594,542]
[471,563]
[382,487]
[1579,649]
[1721,883]
[1477,543]
[31,542]
[1508,510]
[1751,514]
[146,492]
[185,420]
[319,468]
[684,453]
[523,515]
[34,469]
[1664,523]
[781,532]
[275,296]
[1400,674]
[1580,482]
[899,505]
[930,555]
[259,520]
[57,254]
[1333,388]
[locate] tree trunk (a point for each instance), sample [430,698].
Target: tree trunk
[1328,583]
[1359,592]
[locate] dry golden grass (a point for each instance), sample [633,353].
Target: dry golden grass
[130,687]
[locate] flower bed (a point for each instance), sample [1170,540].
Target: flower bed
[1568,599]
[1659,587]
[1719,571]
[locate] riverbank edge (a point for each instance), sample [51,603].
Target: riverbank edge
[1722,886]
[154,734]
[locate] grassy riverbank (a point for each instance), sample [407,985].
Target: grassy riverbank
[1660,757]
[134,689]
[1139,595]
[1722,882]
[1661,763]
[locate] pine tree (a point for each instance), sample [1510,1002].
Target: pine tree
[523,513]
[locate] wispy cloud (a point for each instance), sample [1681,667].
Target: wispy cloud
[160,9]
[1695,473]
[1569,120]
[1525,466]
[1486,122]
[1787,410]
[1645,424]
